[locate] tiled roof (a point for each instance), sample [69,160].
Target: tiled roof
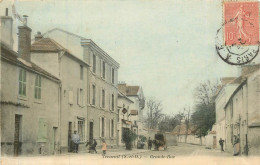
[128,90]
[12,56]
[46,44]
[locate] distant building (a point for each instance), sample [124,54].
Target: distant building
[123,123]
[135,93]
[242,112]
[29,98]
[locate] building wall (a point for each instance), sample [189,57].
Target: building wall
[45,109]
[221,101]
[191,139]
[97,111]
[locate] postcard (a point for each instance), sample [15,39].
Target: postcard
[129,82]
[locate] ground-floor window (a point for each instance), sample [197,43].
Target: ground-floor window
[81,129]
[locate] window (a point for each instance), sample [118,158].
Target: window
[94,95]
[112,128]
[94,63]
[22,82]
[113,102]
[104,69]
[103,98]
[81,72]
[81,128]
[37,88]
[103,127]
[113,75]
[80,97]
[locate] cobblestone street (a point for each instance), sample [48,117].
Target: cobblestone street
[181,154]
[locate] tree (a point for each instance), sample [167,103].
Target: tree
[167,123]
[154,113]
[128,137]
[204,113]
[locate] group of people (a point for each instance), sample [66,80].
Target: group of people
[236,142]
[92,147]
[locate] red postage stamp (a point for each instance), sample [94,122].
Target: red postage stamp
[241,23]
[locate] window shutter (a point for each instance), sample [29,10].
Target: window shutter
[100,98]
[100,126]
[91,60]
[78,100]
[101,68]
[111,74]
[110,128]
[109,96]
[70,97]
[84,98]
[105,127]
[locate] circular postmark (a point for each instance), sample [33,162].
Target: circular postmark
[234,54]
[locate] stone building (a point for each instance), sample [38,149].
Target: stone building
[73,73]
[123,122]
[242,112]
[102,92]
[135,93]
[29,98]
[228,85]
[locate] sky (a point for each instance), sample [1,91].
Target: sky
[167,47]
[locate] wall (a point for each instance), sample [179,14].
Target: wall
[46,108]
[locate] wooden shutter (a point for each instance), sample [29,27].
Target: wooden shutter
[91,59]
[109,100]
[100,126]
[100,98]
[101,68]
[78,98]
[84,98]
[104,127]
[70,96]
[110,128]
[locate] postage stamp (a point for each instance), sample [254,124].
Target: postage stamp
[237,41]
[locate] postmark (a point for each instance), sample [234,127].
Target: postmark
[237,41]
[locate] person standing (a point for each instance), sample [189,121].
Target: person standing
[150,144]
[104,147]
[76,140]
[221,143]
[95,145]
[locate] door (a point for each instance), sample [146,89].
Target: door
[70,147]
[214,142]
[54,144]
[17,135]
[91,132]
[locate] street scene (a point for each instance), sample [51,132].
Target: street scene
[129,82]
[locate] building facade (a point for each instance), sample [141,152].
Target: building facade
[242,113]
[228,85]
[29,97]
[73,73]
[102,92]
[123,123]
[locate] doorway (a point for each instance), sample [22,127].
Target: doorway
[17,135]
[214,142]
[91,132]
[54,144]
[70,147]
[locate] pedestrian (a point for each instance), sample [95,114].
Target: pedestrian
[221,143]
[104,147]
[236,145]
[76,140]
[94,146]
[150,143]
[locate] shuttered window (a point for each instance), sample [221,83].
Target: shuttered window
[22,82]
[37,88]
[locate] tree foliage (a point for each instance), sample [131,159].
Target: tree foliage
[154,114]
[204,113]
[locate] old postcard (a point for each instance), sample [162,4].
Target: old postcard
[129,82]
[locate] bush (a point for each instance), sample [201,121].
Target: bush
[142,138]
[128,138]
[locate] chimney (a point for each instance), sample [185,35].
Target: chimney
[7,29]
[24,42]
[38,36]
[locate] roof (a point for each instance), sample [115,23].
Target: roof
[243,80]
[12,56]
[134,112]
[50,45]
[120,94]
[225,81]
[181,130]
[128,90]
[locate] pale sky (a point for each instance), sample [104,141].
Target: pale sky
[167,47]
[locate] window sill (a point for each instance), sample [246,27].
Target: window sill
[37,101]
[22,97]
